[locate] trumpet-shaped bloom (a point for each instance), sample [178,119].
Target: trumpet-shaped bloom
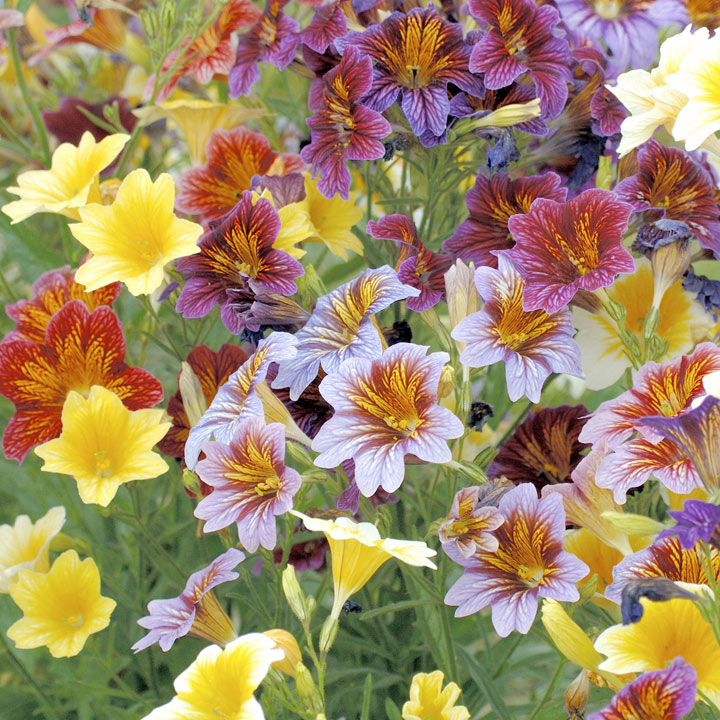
[328,24]
[103,445]
[469,527]
[358,552]
[237,399]
[212,370]
[522,39]
[417,266]
[562,247]
[26,545]
[220,683]
[696,521]
[251,483]
[532,344]
[667,694]
[51,291]
[430,700]
[342,128]
[529,563]
[195,611]
[237,251]
[544,449]
[386,408]
[233,158]
[341,328]
[491,202]
[61,607]
[667,630]
[134,238]
[71,181]
[416,55]
[81,349]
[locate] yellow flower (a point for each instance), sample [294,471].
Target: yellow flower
[291,650]
[295,225]
[135,237]
[197,119]
[429,701]
[103,444]
[62,607]
[332,220]
[220,683]
[71,182]
[682,322]
[358,551]
[26,546]
[666,630]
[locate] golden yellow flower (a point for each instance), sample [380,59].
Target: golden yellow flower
[220,683]
[71,182]
[62,607]
[104,445]
[288,644]
[134,238]
[26,545]
[430,701]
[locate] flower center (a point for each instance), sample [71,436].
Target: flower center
[531,576]
[103,466]
[269,487]
[406,426]
[608,9]
[75,621]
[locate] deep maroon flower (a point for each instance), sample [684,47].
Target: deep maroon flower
[607,112]
[68,122]
[562,247]
[544,449]
[273,39]
[697,520]
[327,25]
[492,201]
[416,55]
[522,38]
[236,251]
[342,128]
[417,266]
[670,181]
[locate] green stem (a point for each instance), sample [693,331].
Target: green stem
[549,691]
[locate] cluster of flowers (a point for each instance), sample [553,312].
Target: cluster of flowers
[577,266]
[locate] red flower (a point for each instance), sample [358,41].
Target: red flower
[81,349]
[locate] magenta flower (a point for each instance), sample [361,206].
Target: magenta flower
[341,328]
[327,25]
[417,266]
[237,254]
[237,400]
[522,38]
[342,128]
[416,55]
[529,563]
[251,483]
[563,247]
[195,611]
[273,39]
[386,408]
[697,520]
[669,694]
[532,344]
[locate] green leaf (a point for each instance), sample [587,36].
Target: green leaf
[367,694]
[392,710]
[483,678]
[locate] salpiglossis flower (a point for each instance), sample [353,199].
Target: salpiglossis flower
[562,247]
[385,409]
[134,238]
[529,563]
[221,682]
[521,39]
[81,349]
[532,344]
[429,699]
[416,55]
[71,181]
[696,521]
[327,25]
[342,128]
[104,445]
[251,483]
[61,607]
[491,202]
[341,328]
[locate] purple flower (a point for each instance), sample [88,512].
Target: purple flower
[529,563]
[697,520]
[341,328]
[195,611]
[386,408]
[532,344]
[251,484]
[236,400]
[327,25]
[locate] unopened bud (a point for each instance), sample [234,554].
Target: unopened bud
[328,633]
[587,301]
[293,593]
[669,263]
[288,644]
[462,295]
[632,524]
[576,696]
[306,689]
[588,589]
[191,482]
[509,115]
[192,394]
[447,381]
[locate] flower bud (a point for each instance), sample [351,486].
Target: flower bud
[669,263]
[328,633]
[447,381]
[632,524]
[509,115]
[275,411]
[191,482]
[306,688]
[576,696]
[288,644]
[192,394]
[462,296]
[293,593]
